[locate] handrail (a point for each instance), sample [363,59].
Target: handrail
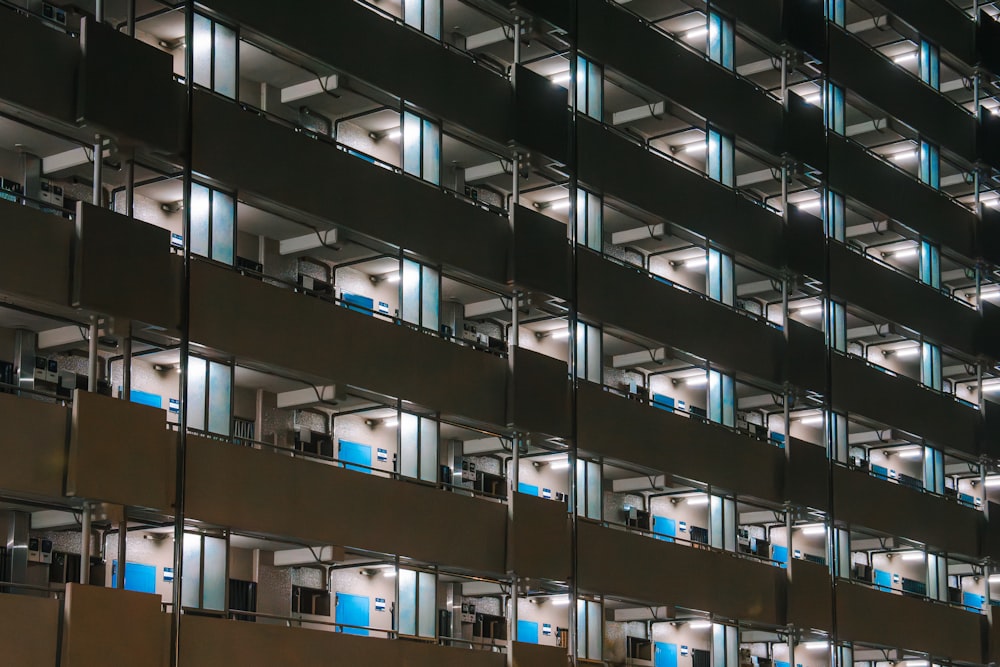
[906,378]
[924,490]
[918,596]
[14,586]
[37,204]
[6,388]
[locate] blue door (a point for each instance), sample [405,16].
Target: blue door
[527,489]
[664,654]
[780,554]
[883,580]
[527,632]
[138,577]
[665,529]
[358,303]
[352,610]
[353,452]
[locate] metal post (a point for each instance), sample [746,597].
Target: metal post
[784,77]
[92,355]
[99,11]
[85,544]
[122,549]
[130,186]
[98,193]
[130,19]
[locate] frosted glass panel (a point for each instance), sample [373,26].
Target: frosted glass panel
[196,394]
[413,13]
[411,144]
[215,574]
[201,206]
[432,18]
[430,287]
[595,630]
[715,522]
[593,490]
[427,604]
[409,456]
[191,581]
[202,46]
[225,60]
[581,628]
[407,602]
[223,213]
[219,397]
[581,485]
[431,152]
[428,450]
[718,645]
[411,292]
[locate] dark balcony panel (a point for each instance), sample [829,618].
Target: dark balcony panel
[124,268]
[991,536]
[902,403]
[387,55]
[30,629]
[625,430]
[542,255]
[993,635]
[807,475]
[259,157]
[541,116]
[617,167]
[810,596]
[541,544]
[33,447]
[863,500]
[988,41]
[856,66]
[860,175]
[900,298]
[265,492]
[989,436]
[306,335]
[989,223]
[37,253]
[940,22]
[805,243]
[541,394]
[610,292]
[127,90]
[619,40]
[538,655]
[763,16]
[37,53]
[867,615]
[209,642]
[556,12]
[89,610]
[804,132]
[806,361]
[613,562]
[804,26]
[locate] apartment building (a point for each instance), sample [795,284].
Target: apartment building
[484,333]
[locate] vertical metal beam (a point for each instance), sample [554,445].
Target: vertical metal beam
[85,544]
[92,357]
[97,197]
[130,19]
[99,11]
[127,363]
[122,549]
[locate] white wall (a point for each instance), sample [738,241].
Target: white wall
[354,429]
[541,610]
[682,510]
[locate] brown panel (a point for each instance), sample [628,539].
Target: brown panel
[41,54]
[810,595]
[343,346]
[993,653]
[30,630]
[863,500]
[991,535]
[37,258]
[210,642]
[259,157]
[624,430]
[541,393]
[867,615]
[120,452]
[541,253]
[33,447]
[613,562]
[537,655]
[807,480]
[123,268]
[541,544]
[275,494]
[127,89]
[142,631]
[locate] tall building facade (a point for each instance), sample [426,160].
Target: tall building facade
[483,333]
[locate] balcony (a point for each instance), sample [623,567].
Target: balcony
[33,447]
[31,629]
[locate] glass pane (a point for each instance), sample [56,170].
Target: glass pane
[716,524]
[225,60]
[408,445]
[595,630]
[407,602]
[201,206]
[202,49]
[714,162]
[430,288]
[223,213]
[411,144]
[427,604]
[581,216]
[413,13]
[594,361]
[581,485]
[428,450]
[411,292]
[431,152]
[220,383]
[595,91]
[581,628]
[595,225]
[432,18]
[593,490]
[718,645]
[191,581]
[196,394]
[215,574]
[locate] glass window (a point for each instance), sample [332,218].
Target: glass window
[721,40]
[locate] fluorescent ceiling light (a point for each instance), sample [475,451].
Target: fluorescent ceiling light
[810,204]
[700,625]
[695,33]
[916,663]
[814,530]
[392,277]
[559,334]
[559,600]
[903,155]
[813,99]
[992,482]
[991,387]
[390,422]
[809,311]
[559,204]
[815,646]
[394,134]
[907,352]
[559,465]
[913,555]
[694,147]
[904,253]
[696,380]
[695,262]
[915,453]
[697,500]
[994,578]
[812,421]
[905,57]
[390,573]
[560,77]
